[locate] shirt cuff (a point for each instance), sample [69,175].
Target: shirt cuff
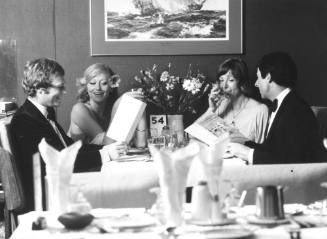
[250,156]
[104,156]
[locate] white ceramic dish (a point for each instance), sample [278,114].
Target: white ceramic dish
[208,223]
[265,222]
[229,233]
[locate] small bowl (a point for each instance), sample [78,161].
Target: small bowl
[75,220]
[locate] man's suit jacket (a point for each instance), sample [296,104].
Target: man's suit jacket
[293,136]
[27,128]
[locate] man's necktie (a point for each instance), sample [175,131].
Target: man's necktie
[51,118]
[51,114]
[272,108]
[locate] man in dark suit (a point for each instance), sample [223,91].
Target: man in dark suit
[44,84]
[292,134]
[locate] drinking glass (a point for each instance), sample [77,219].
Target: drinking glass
[156,141]
[77,201]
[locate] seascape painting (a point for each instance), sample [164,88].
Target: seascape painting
[166,20]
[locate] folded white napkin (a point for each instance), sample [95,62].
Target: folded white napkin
[173,168]
[59,170]
[210,162]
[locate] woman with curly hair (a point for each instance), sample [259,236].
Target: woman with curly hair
[97,93]
[231,99]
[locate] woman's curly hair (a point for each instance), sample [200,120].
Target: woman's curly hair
[93,71]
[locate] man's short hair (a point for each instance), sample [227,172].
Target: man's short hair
[281,67]
[37,74]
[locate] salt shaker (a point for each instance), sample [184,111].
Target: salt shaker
[201,206]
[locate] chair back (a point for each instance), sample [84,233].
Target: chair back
[302,181]
[11,181]
[321,115]
[40,194]
[4,134]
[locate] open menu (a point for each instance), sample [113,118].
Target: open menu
[126,118]
[210,129]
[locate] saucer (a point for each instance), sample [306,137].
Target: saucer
[208,223]
[267,222]
[229,233]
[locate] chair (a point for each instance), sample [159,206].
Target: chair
[40,198]
[321,115]
[4,134]
[13,190]
[302,181]
[4,143]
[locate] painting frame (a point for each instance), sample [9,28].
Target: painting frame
[100,47]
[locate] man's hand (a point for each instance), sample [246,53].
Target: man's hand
[237,137]
[115,150]
[239,150]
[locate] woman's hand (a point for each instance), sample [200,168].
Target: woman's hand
[217,99]
[115,150]
[137,94]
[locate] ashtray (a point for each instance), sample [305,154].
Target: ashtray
[75,220]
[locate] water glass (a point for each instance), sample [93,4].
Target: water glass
[77,201]
[156,141]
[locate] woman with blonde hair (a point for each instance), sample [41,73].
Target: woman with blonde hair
[97,93]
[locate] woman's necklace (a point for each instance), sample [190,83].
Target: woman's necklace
[235,114]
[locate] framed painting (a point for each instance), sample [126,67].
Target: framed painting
[165,27]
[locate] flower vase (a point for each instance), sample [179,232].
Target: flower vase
[176,125]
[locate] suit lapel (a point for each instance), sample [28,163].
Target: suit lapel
[34,113]
[283,107]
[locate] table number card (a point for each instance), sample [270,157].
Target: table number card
[157,122]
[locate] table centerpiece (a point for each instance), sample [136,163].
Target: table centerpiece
[173,95]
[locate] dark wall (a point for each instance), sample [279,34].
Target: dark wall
[60,29]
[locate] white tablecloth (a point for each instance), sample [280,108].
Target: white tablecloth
[127,184]
[119,184]
[56,231]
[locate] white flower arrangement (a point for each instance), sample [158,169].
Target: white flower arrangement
[173,94]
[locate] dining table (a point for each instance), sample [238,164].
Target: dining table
[125,183]
[142,223]
[129,182]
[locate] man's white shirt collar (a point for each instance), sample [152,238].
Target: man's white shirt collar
[281,96]
[40,107]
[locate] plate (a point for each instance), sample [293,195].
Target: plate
[229,233]
[130,222]
[133,151]
[266,222]
[208,223]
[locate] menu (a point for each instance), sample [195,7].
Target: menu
[126,118]
[210,129]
